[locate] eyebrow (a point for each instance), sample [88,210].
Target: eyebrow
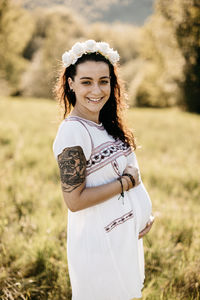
[91,78]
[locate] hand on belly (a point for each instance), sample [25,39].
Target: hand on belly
[147,228]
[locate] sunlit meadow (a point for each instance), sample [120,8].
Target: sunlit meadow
[33,261]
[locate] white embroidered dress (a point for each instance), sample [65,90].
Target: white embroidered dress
[105,256]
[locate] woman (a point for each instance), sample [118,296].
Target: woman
[108,205]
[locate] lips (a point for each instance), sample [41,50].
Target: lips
[94,100]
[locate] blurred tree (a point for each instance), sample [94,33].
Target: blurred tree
[154,77]
[56,30]
[125,38]
[16,27]
[184,16]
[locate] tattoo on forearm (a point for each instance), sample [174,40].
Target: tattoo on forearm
[72,164]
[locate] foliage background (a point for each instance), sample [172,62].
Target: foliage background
[160,67]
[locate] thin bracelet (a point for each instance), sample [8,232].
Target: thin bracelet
[131,178]
[127,183]
[122,192]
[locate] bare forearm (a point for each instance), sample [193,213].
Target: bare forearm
[95,195]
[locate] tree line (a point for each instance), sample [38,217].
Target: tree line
[160,61]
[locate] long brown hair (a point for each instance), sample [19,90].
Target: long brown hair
[111,114]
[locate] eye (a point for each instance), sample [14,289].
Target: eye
[104,81]
[86,82]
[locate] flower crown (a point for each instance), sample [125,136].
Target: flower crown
[70,57]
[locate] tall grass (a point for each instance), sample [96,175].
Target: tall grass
[33,261]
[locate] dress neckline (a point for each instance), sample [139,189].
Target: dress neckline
[89,122]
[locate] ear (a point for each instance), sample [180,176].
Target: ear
[70,82]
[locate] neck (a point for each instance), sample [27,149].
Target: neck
[91,117]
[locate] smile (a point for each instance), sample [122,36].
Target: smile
[94,100]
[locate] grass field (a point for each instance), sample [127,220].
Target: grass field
[33,217]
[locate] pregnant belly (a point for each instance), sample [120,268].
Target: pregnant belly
[143,205]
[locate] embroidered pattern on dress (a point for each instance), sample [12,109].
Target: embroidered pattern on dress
[119,221]
[116,167]
[106,153]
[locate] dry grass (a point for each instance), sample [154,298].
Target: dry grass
[33,262]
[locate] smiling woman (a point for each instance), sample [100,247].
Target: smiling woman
[109,209]
[91,92]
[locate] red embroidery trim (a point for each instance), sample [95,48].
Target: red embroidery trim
[119,221]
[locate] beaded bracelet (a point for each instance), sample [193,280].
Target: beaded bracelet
[131,178]
[127,183]
[122,192]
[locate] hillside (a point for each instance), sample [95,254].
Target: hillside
[126,11]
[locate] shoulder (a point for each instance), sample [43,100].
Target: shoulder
[70,126]
[72,133]
[73,129]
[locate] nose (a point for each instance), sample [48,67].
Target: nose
[96,89]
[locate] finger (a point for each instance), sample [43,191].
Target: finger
[138,181]
[151,219]
[142,233]
[145,230]
[148,227]
[150,223]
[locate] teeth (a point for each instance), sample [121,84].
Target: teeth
[95,100]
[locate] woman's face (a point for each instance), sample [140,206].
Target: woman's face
[91,86]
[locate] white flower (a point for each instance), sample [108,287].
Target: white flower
[78,49]
[113,57]
[73,57]
[66,58]
[90,46]
[103,47]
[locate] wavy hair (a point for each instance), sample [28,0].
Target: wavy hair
[111,114]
